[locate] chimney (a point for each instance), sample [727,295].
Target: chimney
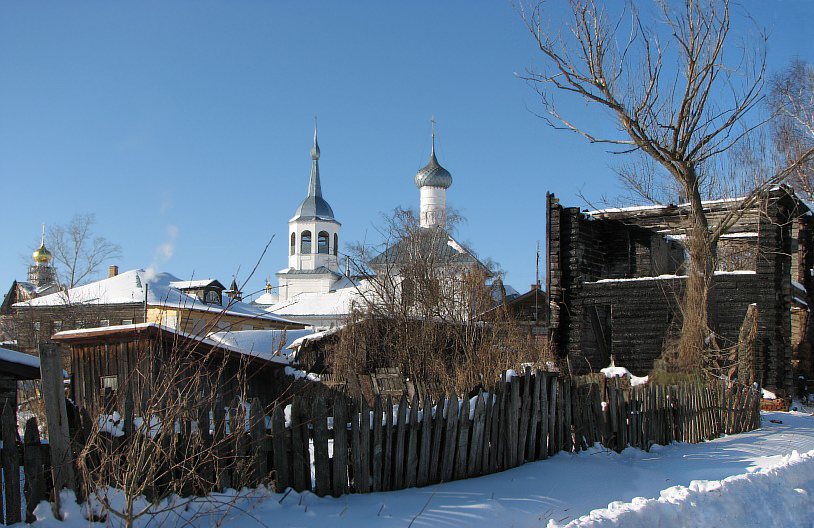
[535,287]
[112,271]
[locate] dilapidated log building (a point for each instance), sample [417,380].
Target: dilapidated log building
[614,277]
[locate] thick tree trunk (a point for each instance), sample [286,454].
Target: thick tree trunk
[697,344]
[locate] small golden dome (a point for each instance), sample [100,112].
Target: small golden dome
[42,255]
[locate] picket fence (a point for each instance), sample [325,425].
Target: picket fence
[333,446]
[417,443]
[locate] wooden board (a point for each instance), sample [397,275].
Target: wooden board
[364,446]
[462,447]
[423,476]
[322,468]
[450,438]
[401,428]
[438,429]
[387,472]
[378,445]
[412,446]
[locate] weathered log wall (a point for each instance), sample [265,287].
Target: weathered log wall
[607,295]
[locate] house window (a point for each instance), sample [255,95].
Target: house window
[293,243]
[336,243]
[247,327]
[110,382]
[80,324]
[104,322]
[57,326]
[212,297]
[127,321]
[305,242]
[37,326]
[322,242]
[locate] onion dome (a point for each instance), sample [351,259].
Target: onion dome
[433,174]
[42,255]
[314,206]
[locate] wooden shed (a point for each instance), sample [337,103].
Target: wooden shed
[107,362]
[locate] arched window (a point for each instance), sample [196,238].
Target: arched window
[322,242]
[293,242]
[212,297]
[336,244]
[305,242]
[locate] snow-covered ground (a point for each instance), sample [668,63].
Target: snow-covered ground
[760,479]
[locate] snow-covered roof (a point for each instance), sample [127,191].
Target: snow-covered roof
[316,336]
[33,289]
[670,277]
[706,203]
[267,299]
[427,242]
[337,302]
[190,284]
[239,345]
[12,356]
[273,342]
[156,289]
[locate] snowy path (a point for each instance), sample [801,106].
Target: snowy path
[560,490]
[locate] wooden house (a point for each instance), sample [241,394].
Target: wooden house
[137,296]
[614,277]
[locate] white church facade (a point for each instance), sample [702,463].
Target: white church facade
[312,288]
[313,242]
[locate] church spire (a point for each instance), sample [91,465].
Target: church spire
[314,187]
[432,148]
[314,206]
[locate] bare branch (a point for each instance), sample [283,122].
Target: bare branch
[77,251]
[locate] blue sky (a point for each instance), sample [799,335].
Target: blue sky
[188,125]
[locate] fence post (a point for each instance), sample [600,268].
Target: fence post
[53,392]
[32,459]
[340,455]
[322,471]
[450,437]
[378,444]
[280,443]
[412,446]
[11,460]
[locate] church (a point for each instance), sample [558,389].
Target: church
[313,289]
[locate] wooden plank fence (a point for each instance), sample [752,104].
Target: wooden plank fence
[337,447]
[529,418]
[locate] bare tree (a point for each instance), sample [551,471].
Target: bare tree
[151,449]
[430,307]
[791,96]
[683,92]
[77,251]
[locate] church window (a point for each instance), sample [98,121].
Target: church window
[322,242]
[336,243]
[293,242]
[305,242]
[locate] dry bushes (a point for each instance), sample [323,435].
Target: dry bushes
[429,307]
